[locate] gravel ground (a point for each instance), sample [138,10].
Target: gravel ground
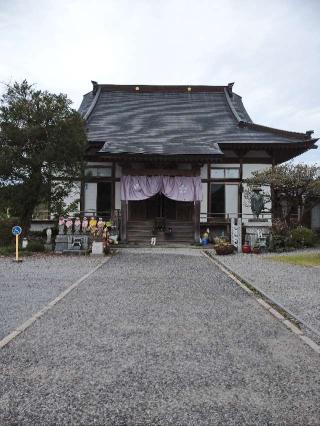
[157,338]
[297,288]
[26,287]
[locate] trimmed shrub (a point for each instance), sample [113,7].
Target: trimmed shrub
[35,246]
[284,239]
[6,237]
[7,250]
[303,237]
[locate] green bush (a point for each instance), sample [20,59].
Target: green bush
[35,246]
[285,239]
[7,250]
[303,237]
[279,242]
[6,237]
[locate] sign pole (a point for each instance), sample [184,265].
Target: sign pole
[16,231]
[17,248]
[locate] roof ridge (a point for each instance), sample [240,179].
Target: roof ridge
[183,88]
[231,106]
[93,104]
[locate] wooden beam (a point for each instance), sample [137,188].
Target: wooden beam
[160,172]
[124,220]
[196,221]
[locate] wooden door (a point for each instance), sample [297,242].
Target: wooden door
[185,211]
[169,208]
[137,210]
[153,207]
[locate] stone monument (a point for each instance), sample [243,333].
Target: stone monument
[48,243]
[257,202]
[61,242]
[257,230]
[96,230]
[236,233]
[72,242]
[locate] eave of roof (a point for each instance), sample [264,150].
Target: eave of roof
[254,126]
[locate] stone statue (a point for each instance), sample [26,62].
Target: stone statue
[100,226]
[49,235]
[69,224]
[77,225]
[93,226]
[257,202]
[85,225]
[61,224]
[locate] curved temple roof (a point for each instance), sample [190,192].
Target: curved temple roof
[174,120]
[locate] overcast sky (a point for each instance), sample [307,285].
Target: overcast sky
[271,49]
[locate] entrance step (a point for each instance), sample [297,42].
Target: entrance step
[139,231]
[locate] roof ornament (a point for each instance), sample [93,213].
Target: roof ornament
[94,86]
[309,133]
[230,86]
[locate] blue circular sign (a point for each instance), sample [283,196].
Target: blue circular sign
[16,230]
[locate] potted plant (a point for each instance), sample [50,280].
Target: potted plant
[223,247]
[246,248]
[256,249]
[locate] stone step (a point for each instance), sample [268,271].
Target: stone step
[150,231]
[141,232]
[188,238]
[173,244]
[151,223]
[133,234]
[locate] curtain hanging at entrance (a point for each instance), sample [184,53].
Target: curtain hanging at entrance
[135,188]
[182,188]
[179,188]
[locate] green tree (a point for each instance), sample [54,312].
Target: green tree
[42,142]
[294,188]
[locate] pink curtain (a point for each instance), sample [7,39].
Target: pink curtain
[140,187]
[179,188]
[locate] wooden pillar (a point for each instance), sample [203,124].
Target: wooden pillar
[196,221]
[82,189]
[124,220]
[241,188]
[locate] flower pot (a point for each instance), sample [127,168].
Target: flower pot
[224,249]
[246,248]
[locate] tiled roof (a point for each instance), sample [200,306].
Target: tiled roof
[173,120]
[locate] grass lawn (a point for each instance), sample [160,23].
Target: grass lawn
[307,259]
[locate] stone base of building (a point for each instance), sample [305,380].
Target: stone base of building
[257,232]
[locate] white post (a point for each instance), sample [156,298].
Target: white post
[239,234]
[236,233]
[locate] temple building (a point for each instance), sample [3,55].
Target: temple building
[174,158]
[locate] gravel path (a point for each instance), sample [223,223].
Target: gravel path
[157,338]
[296,287]
[26,287]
